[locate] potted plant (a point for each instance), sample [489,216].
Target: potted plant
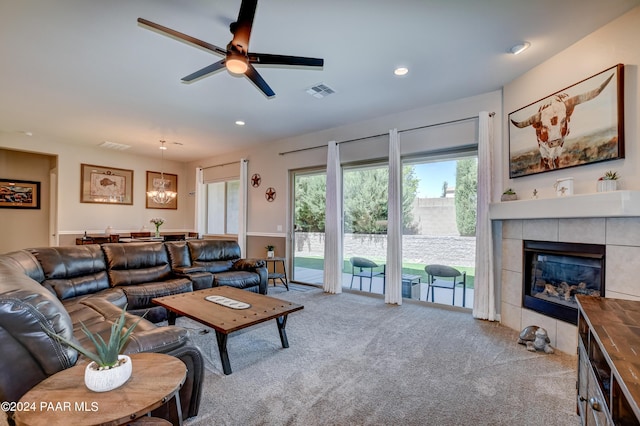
[509,195]
[608,182]
[270,251]
[108,369]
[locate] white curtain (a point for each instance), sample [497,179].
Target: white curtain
[484,298]
[332,227]
[393,293]
[201,203]
[242,207]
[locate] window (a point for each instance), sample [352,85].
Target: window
[223,207]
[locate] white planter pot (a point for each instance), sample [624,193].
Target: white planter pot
[607,185]
[270,254]
[106,380]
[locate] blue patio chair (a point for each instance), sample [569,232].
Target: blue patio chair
[443,276]
[364,268]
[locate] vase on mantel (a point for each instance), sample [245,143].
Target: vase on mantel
[607,185]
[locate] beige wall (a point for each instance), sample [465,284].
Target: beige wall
[74,217]
[265,218]
[614,43]
[18,226]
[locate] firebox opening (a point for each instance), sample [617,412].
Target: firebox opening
[555,272]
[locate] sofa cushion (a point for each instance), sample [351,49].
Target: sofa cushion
[139,296]
[98,314]
[136,263]
[178,254]
[238,279]
[209,250]
[214,266]
[72,271]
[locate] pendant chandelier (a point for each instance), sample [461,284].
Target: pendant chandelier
[160,194]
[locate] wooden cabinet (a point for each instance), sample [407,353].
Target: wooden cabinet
[608,387]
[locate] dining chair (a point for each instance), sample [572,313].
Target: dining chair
[443,276]
[140,234]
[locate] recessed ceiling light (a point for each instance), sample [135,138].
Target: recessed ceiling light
[240,123]
[520,47]
[401,71]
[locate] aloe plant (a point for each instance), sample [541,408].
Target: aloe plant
[106,355]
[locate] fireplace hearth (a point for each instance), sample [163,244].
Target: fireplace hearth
[555,272]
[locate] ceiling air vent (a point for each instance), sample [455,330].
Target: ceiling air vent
[320,90]
[113,145]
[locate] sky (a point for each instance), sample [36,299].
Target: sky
[433,175]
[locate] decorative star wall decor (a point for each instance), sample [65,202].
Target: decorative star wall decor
[255,180]
[270,195]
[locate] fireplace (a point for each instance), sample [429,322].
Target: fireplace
[555,272]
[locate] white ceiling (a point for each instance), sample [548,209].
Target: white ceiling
[84,71]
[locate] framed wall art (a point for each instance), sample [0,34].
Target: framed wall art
[106,185]
[581,124]
[165,181]
[19,194]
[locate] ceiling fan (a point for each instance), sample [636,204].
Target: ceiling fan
[237,58]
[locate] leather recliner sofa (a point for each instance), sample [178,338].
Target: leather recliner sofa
[58,288]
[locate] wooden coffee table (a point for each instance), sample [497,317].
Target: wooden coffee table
[225,320]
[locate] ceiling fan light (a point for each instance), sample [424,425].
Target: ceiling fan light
[237,65]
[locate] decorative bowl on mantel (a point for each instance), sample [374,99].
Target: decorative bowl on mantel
[509,197]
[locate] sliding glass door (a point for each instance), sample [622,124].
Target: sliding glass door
[309,206]
[365,205]
[439,227]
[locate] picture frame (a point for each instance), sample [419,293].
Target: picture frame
[106,185]
[19,194]
[580,124]
[154,180]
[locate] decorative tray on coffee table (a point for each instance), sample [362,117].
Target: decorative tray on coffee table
[229,303]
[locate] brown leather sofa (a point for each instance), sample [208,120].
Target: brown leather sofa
[57,288]
[216,263]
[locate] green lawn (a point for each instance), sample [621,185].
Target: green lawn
[407,268]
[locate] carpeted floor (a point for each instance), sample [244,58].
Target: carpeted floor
[354,360]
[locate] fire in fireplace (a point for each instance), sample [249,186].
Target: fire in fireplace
[555,272]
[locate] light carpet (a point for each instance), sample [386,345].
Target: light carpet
[354,360]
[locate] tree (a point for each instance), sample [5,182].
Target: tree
[310,197]
[365,200]
[466,196]
[445,185]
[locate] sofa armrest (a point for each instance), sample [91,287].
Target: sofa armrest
[248,264]
[158,339]
[258,266]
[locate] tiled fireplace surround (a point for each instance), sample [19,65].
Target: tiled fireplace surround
[621,235]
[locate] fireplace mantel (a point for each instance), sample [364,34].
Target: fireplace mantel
[601,204]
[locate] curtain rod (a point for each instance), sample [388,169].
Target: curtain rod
[223,164]
[491,114]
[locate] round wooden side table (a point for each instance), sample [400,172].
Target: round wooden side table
[63,399]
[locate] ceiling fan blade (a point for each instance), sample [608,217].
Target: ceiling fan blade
[184,37]
[241,29]
[267,59]
[259,81]
[204,71]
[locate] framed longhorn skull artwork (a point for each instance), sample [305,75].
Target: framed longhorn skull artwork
[581,124]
